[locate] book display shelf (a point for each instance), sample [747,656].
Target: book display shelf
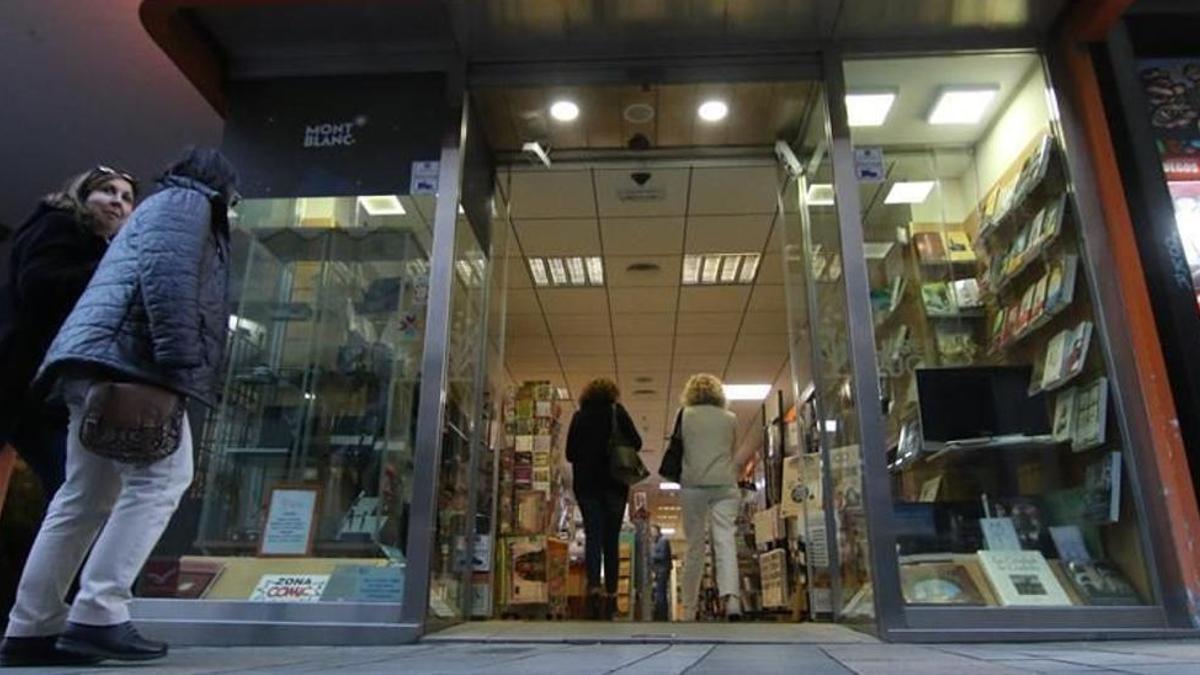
[1006,466]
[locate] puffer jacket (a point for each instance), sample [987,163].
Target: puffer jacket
[156,308]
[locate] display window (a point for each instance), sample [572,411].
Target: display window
[1008,471]
[304,471]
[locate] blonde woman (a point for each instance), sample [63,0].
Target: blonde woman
[709,493]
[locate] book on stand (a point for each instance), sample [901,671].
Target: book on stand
[999,534]
[1091,415]
[1023,578]
[931,248]
[1102,489]
[958,246]
[1064,416]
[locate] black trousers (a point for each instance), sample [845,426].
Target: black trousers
[602,516]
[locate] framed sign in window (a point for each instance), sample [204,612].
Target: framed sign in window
[291,521]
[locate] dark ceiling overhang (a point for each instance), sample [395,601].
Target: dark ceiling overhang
[215,41]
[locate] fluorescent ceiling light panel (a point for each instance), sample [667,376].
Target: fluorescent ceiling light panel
[595,270]
[382,205]
[962,105]
[713,110]
[564,111]
[667,531]
[575,268]
[909,192]
[712,265]
[667,485]
[869,108]
[558,271]
[749,268]
[820,194]
[729,268]
[537,270]
[691,269]
[747,392]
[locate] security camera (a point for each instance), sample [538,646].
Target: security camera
[788,159]
[640,177]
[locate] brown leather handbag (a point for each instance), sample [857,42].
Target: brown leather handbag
[131,422]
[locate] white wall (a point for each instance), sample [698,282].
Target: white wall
[1026,117]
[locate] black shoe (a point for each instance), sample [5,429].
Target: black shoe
[121,642]
[17,652]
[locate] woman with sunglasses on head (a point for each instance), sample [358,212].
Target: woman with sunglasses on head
[145,338]
[53,257]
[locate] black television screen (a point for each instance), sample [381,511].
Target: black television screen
[966,403]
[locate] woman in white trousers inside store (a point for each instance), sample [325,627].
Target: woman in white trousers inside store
[709,493]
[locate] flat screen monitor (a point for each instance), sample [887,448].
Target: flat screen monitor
[970,403]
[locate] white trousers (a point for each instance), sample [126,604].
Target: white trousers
[703,506]
[123,509]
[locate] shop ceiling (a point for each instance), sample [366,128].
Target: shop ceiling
[213,41]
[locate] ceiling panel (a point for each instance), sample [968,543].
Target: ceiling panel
[530,346]
[727,234]
[761,344]
[690,364]
[708,323]
[574,300]
[576,236]
[583,344]
[663,194]
[631,364]
[642,345]
[713,299]
[770,268]
[562,325]
[522,301]
[765,323]
[729,190]
[643,379]
[596,365]
[518,273]
[639,300]
[537,362]
[642,236]
[709,345]
[520,325]
[552,194]
[754,368]
[619,274]
[652,323]
[767,298]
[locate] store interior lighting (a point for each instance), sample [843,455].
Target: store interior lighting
[869,108]
[720,268]
[564,111]
[961,105]
[747,392]
[909,192]
[820,194]
[382,205]
[576,271]
[713,110]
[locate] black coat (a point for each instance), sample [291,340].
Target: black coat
[156,309]
[52,259]
[587,447]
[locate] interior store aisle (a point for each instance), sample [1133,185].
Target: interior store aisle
[1143,657]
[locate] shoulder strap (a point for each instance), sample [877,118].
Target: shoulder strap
[678,423]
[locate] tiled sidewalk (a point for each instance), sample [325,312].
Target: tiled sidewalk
[1144,657]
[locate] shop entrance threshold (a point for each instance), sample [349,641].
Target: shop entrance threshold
[649,632]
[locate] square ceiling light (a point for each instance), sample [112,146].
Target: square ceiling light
[572,271]
[820,194]
[382,205]
[962,105]
[869,108]
[719,268]
[909,192]
[747,392]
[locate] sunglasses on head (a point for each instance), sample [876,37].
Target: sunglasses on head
[109,171]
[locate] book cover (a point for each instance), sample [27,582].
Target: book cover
[1064,416]
[1060,290]
[947,582]
[999,534]
[1016,254]
[1026,308]
[1052,364]
[1012,322]
[930,489]
[1023,578]
[966,293]
[1077,349]
[1026,516]
[1039,299]
[1091,415]
[528,572]
[958,246]
[1100,583]
[1068,541]
[937,298]
[1036,229]
[996,332]
[524,443]
[1102,489]
[1052,220]
[931,248]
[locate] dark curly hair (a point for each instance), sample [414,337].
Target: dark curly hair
[600,390]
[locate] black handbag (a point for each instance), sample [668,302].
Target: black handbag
[671,467]
[624,463]
[131,422]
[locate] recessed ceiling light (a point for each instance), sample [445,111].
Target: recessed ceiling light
[869,108]
[595,267]
[667,531]
[719,268]
[747,392]
[691,269]
[713,110]
[820,194]
[575,268]
[558,271]
[909,192]
[575,271]
[564,111]
[382,205]
[668,485]
[749,268]
[537,269]
[711,267]
[961,105]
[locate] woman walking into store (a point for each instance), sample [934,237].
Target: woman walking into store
[145,337]
[601,497]
[53,257]
[709,492]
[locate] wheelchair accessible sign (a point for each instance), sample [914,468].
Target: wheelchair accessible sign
[869,165]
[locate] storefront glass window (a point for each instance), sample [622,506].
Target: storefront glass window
[303,475]
[1006,460]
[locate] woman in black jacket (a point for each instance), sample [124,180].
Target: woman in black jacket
[154,313]
[53,257]
[601,497]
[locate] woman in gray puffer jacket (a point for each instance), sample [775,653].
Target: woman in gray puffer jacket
[155,312]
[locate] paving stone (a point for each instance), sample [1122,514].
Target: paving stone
[806,659]
[1049,666]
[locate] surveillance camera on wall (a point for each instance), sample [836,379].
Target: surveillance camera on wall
[788,159]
